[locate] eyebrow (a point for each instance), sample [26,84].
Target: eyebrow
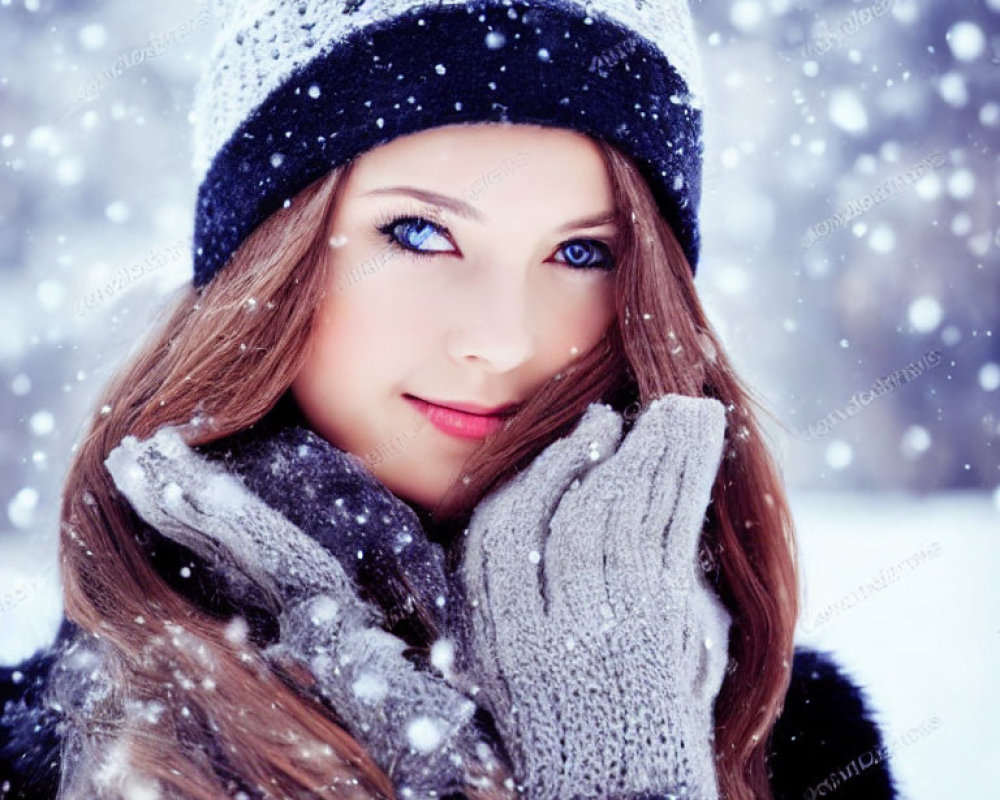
[463,209]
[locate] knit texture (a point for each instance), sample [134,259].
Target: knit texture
[417,726]
[294,88]
[598,643]
[332,496]
[827,721]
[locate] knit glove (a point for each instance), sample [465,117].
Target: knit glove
[415,725]
[598,644]
[330,495]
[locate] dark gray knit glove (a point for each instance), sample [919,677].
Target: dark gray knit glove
[416,725]
[598,644]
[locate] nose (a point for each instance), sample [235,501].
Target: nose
[493,321]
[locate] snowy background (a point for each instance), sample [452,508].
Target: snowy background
[851,231]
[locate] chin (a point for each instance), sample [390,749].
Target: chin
[414,493]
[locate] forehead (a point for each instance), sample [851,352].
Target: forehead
[487,164]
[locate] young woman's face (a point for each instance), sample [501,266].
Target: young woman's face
[470,264]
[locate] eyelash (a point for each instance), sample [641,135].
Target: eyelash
[387,224]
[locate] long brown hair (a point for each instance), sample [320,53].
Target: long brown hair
[224,355]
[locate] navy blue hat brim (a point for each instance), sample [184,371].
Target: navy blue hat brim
[432,67]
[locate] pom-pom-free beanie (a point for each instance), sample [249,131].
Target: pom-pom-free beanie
[295,88]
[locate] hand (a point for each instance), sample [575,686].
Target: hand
[599,645]
[417,726]
[201,506]
[331,495]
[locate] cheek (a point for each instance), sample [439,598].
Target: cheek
[336,363]
[335,337]
[362,334]
[579,321]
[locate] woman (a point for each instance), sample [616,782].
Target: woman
[292,566]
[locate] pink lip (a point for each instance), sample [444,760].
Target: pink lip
[475,408]
[459,419]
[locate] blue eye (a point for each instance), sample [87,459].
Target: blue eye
[410,232]
[415,231]
[577,252]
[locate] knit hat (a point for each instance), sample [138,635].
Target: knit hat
[295,88]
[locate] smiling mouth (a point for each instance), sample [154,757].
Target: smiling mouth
[457,422]
[472,408]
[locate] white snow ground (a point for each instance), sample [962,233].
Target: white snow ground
[924,641]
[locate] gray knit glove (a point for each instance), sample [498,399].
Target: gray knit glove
[597,643]
[415,725]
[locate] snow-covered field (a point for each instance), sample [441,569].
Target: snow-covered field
[901,588]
